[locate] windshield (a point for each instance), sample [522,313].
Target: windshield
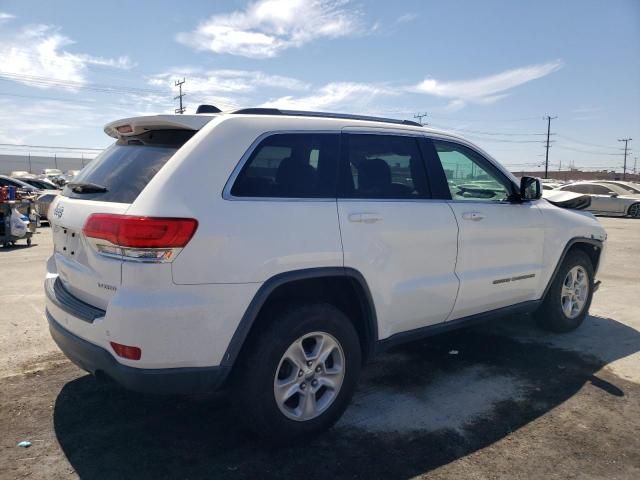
[122,171]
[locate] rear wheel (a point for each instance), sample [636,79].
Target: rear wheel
[299,374]
[569,297]
[634,210]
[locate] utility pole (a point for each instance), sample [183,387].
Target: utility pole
[30,163]
[624,168]
[546,158]
[82,156]
[55,159]
[635,164]
[419,117]
[179,84]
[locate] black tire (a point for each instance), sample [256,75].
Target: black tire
[551,315]
[634,210]
[253,382]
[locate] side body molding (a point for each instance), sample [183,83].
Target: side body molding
[367,305]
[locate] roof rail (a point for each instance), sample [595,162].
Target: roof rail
[302,113]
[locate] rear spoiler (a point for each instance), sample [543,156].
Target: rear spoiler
[138,125]
[564,199]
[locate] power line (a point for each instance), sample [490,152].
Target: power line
[179,84]
[591,152]
[96,87]
[624,168]
[546,158]
[48,147]
[583,142]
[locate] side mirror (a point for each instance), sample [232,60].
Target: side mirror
[613,194]
[530,188]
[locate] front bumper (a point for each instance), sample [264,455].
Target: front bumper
[96,360]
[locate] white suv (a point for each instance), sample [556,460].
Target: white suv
[274,251]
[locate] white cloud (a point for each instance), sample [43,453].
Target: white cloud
[336,95]
[267,27]
[36,56]
[4,16]
[406,18]
[228,81]
[485,90]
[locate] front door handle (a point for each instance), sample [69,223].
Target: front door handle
[474,216]
[364,217]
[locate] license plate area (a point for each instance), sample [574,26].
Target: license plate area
[66,241]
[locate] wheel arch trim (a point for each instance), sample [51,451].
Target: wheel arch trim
[269,286]
[571,243]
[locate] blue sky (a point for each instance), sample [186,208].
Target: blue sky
[488,69]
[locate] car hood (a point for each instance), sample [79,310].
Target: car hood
[564,199]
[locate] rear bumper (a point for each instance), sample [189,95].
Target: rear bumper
[95,359]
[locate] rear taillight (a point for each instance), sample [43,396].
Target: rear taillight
[151,239]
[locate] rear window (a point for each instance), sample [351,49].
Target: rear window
[126,167]
[299,165]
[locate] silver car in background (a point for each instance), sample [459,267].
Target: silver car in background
[607,198]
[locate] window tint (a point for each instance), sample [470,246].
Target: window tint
[301,165]
[382,166]
[578,188]
[469,177]
[601,190]
[125,168]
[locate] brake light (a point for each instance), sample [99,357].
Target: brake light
[139,238]
[124,129]
[126,351]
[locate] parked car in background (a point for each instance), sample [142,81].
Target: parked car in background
[55,175]
[40,183]
[607,198]
[52,172]
[21,173]
[633,188]
[19,184]
[45,190]
[372,232]
[70,175]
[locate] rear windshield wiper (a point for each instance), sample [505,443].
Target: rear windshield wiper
[80,187]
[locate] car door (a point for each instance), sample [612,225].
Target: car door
[401,240]
[605,199]
[500,242]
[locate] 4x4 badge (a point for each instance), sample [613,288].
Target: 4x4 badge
[58,211]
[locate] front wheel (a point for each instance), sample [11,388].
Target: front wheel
[300,372]
[569,297]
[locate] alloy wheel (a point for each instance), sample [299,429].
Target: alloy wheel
[575,291]
[309,376]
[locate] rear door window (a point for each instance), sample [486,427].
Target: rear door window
[382,167]
[291,165]
[122,171]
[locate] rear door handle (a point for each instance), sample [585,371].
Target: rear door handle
[364,217]
[474,216]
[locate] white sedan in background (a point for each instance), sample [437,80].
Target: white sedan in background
[607,198]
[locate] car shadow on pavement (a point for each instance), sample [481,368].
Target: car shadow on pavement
[418,407]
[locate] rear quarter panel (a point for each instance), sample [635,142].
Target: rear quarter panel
[238,241]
